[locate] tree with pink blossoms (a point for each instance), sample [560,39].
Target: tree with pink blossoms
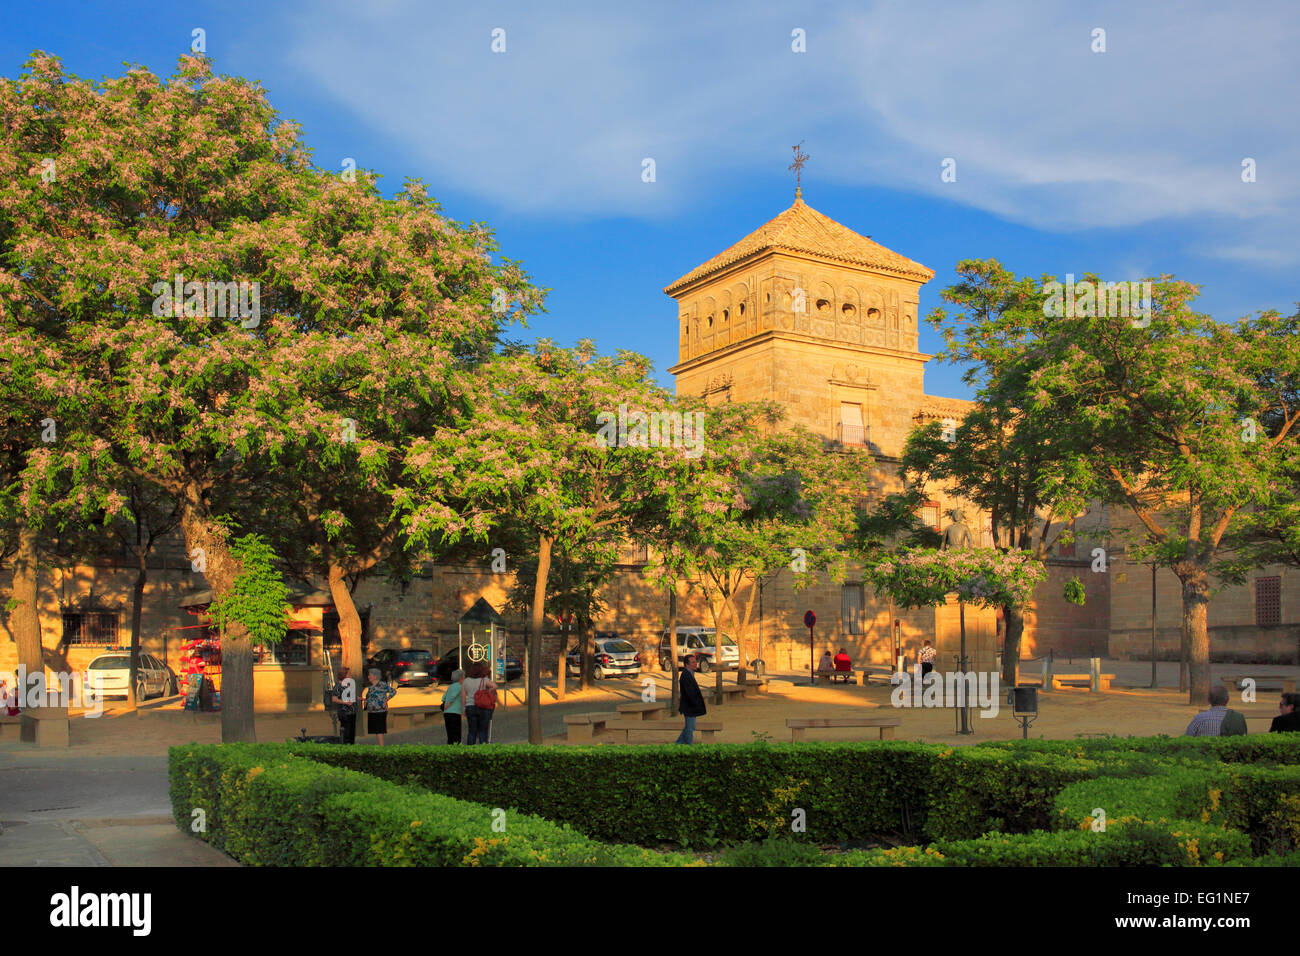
[221,307]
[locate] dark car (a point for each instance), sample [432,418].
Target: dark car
[408,667]
[451,661]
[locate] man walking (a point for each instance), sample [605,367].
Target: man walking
[692,700]
[344,695]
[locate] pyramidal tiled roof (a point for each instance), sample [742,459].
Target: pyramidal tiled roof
[803,229]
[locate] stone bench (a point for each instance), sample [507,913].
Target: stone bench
[51,726]
[11,728]
[1233,684]
[635,731]
[731,691]
[582,727]
[642,710]
[408,718]
[799,726]
[826,678]
[1062,681]
[754,688]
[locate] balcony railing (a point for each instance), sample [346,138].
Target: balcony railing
[853,434]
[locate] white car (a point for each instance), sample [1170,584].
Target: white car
[110,675]
[702,642]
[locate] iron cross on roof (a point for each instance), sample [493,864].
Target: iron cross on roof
[800,157]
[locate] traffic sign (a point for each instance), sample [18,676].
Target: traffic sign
[809,618]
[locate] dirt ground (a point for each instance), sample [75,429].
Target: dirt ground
[1062,714]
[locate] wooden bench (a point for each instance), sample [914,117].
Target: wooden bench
[799,726]
[581,727]
[754,688]
[635,731]
[1233,684]
[643,710]
[1062,681]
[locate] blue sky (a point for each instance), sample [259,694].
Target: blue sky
[1126,162]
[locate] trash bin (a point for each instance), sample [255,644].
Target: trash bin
[760,669]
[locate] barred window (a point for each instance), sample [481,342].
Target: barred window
[90,627]
[292,649]
[1268,601]
[851,608]
[929,515]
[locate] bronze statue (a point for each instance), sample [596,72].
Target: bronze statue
[957,536]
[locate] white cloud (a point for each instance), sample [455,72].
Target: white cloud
[1045,132]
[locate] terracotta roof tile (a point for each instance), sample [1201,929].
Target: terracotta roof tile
[803,229]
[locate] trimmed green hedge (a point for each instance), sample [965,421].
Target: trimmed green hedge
[734,793]
[267,807]
[1269,749]
[1167,801]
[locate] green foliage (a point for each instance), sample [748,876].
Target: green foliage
[925,577]
[1022,803]
[259,598]
[668,794]
[1075,592]
[1265,802]
[265,806]
[978,791]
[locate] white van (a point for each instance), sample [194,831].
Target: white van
[700,641]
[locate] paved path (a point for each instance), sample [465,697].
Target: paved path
[59,809]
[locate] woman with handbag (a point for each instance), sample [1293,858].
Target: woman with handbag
[453,706]
[480,696]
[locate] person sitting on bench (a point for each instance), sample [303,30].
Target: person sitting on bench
[826,665]
[843,664]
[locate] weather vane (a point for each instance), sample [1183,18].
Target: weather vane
[800,157]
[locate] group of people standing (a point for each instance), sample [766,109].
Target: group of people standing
[473,698]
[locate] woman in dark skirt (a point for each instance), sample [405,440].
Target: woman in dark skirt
[378,694]
[453,706]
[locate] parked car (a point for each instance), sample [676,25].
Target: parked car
[111,674]
[700,641]
[408,667]
[610,656]
[450,661]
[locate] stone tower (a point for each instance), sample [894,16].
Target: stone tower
[807,312]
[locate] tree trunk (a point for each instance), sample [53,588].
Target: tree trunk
[349,625]
[25,622]
[1196,599]
[535,652]
[562,672]
[1014,620]
[675,694]
[137,608]
[584,632]
[201,532]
